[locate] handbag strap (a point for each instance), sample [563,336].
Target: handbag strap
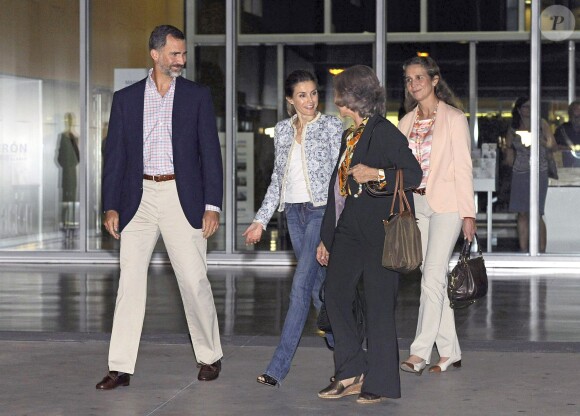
[395,194]
[400,194]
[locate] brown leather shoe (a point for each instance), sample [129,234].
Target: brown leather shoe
[113,380]
[209,372]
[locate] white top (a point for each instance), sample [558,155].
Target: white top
[296,190]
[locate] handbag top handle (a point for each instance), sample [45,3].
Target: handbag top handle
[466,249]
[400,192]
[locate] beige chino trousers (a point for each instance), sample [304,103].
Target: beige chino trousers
[436,322]
[160,212]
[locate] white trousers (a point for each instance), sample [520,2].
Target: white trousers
[436,323]
[160,213]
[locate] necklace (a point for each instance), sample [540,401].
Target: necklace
[433,114]
[422,129]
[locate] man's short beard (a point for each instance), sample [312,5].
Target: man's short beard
[173,73]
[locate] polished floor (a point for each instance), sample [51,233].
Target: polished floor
[520,347]
[528,306]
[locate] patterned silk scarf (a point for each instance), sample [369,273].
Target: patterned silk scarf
[352,137]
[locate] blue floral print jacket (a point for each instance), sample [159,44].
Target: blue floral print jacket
[320,146]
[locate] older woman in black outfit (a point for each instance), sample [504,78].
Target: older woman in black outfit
[352,237]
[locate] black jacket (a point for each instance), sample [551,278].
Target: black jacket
[381,146]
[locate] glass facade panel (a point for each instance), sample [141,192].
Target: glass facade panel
[353,16]
[403,16]
[356,16]
[470,16]
[210,17]
[281,16]
[257,100]
[39,125]
[563,196]
[499,85]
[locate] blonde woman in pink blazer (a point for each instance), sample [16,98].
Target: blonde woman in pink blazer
[438,135]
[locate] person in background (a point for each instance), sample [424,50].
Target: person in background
[520,185]
[163,176]
[353,238]
[306,150]
[68,159]
[438,135]
[568,137]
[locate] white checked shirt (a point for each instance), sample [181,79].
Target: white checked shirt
[157,131]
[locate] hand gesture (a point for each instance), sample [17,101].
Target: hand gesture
[322,254]
[111,223]
[253,233]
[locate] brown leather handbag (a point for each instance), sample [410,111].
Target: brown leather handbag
[402,248]
[467,282]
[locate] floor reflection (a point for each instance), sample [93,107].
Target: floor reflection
[253,302]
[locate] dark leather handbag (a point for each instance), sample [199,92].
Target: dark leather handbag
[376,189]
[467,282]
[402,249]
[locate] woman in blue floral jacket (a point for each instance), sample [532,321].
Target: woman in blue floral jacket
[306,150]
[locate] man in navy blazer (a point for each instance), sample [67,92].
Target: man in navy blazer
[163,175]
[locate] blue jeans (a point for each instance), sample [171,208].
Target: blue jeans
[304,221]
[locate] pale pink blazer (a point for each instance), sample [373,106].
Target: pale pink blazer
[450,180]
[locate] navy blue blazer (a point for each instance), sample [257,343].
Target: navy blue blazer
[197,157]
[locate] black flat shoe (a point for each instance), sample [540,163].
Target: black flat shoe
[267,380]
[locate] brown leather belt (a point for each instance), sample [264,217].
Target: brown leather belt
[159,178]
[420,191]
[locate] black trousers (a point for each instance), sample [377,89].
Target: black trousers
[352,258]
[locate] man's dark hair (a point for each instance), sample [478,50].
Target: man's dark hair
[158,37]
